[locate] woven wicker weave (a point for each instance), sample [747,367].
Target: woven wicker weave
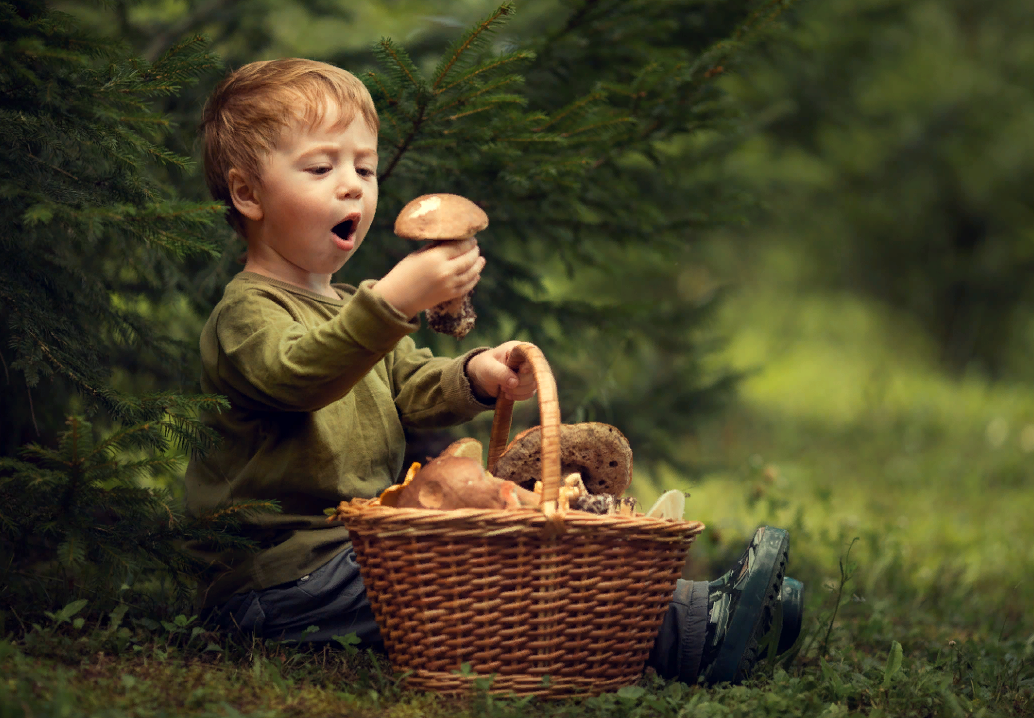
[550,605]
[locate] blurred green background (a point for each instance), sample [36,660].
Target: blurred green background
[875,293]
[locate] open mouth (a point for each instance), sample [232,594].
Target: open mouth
[345,229]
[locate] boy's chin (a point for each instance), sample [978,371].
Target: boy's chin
[339,262]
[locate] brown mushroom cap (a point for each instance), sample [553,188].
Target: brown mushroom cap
[451,482]
[599,452]
[440,217]
[467,447]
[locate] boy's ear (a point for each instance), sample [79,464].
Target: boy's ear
[244,196]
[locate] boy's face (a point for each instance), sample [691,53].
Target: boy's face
[318,196]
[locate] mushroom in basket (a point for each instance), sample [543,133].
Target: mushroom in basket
[444,218]
[597,453]
[452,482]
[598,456]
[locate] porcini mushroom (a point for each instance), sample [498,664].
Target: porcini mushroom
[599,452]
[444,218]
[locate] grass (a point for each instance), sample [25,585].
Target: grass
[908,495]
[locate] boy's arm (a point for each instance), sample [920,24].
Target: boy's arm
[439,392]
[433,391]
[274,361]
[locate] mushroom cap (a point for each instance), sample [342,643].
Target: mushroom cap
[450,482]
[440,216]
[467,447]
[599,452]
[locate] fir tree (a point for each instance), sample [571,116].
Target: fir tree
[90,239]
[87,255]
[75,520]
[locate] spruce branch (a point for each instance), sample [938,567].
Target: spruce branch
[33,157]
[373,77]
[489,105]
[581,103]
[75,377]
[104,524]
[402,147]
[596,127]
[400,63]
[491,87]
[501,62]
[471,39]
[762,17]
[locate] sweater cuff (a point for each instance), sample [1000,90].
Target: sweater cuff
[374,323]
[458,390]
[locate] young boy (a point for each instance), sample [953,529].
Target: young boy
[322,377]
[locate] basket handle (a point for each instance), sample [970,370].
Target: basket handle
[549,418]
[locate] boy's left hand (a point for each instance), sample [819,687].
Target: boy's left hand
[490,377]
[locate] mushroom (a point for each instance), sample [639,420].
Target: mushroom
[574,495]
[467,447]
[455,482]
[599,452]
[444,218]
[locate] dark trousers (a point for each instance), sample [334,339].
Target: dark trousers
[333,598]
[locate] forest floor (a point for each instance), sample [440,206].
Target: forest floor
[844,432]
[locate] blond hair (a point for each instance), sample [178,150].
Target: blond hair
[246,113]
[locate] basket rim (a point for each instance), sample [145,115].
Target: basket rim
[408,521]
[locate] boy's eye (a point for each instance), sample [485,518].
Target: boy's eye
[319,170]
[366,172]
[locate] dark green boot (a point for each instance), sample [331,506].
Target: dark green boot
[741,607]
[791,601]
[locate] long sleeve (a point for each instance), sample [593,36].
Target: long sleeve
[431,392]
[269,358]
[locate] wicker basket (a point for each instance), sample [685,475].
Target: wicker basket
[549,605]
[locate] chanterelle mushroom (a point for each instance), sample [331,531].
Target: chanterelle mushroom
[444,218]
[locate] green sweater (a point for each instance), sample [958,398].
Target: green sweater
[319,390]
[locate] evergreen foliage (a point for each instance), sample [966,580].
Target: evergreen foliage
[76,520]
[87,261]
[900,147]
[90,239]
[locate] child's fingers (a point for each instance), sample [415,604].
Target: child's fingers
[515,385]
[463,262]
[520,394]
[525,383]
[469,279]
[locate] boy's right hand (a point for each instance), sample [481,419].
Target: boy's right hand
[433,275]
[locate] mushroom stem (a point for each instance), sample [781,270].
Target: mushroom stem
[455,318]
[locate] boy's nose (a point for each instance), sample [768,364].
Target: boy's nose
[350,185]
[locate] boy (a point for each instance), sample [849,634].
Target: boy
[322,377]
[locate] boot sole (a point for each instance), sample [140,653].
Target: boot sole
[791,600]
[755,610]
